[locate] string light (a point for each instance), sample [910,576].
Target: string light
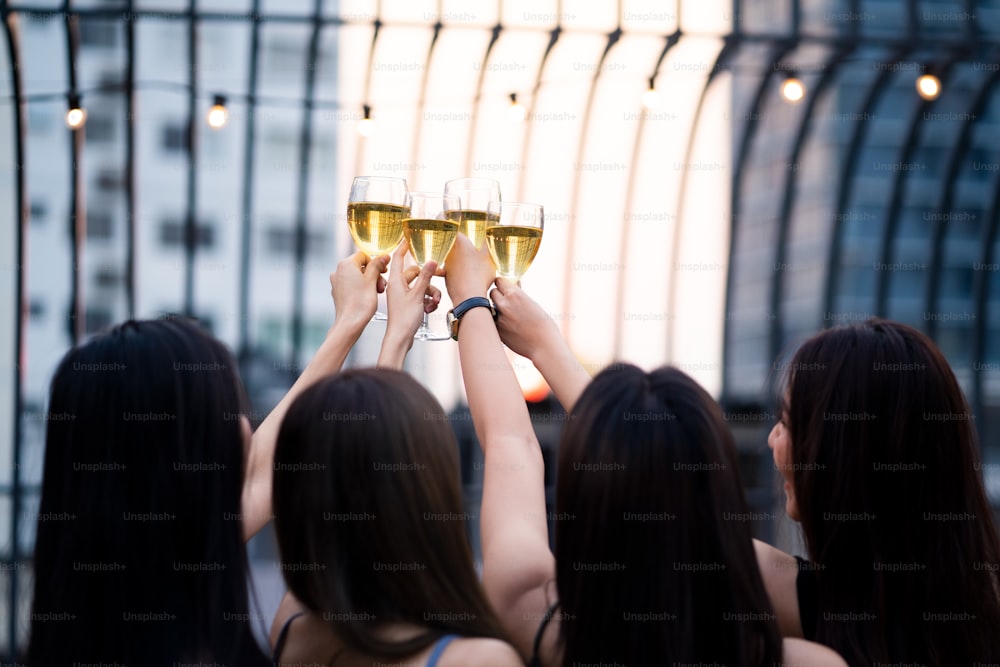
[76,116]
[366,126]
[651,98]
[516,113]
[928,86]
[218,115]
[793,90]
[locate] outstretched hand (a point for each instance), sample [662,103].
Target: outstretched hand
[355,287]
[523,324]
[410,295]
[468,272]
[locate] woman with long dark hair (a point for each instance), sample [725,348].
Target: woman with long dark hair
[877,449]
[370,522]
[151,484]
[654,560]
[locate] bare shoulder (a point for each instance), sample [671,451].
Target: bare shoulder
[289,607]
[780,572]
[802,653]
[480,652]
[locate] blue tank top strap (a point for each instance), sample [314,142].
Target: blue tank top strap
[439,648]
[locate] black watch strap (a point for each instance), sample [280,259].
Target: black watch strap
[456,313]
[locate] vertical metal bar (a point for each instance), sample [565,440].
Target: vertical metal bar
[246,239]
[305,143]
[130,198]
[77,228]
[21,202]
[190,219]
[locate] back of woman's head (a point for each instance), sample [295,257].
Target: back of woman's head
[139,555]
[654,555]
[890,497]
[369,515]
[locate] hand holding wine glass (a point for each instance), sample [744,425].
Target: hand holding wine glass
[430,235]
[515,236]
[375,212]
[474,194]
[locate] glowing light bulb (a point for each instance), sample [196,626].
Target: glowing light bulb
[76,116]
[218,115]
[366,126]
[516,113]
[928,86]
[793,90]
[651,98]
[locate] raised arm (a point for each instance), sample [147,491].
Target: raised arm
[517,563]
[528,330]
[407,305]
[355,286]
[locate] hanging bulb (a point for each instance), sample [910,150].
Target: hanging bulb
[218,115]
[76,116]
[366,126]
[928,86]
[516,113]
[651,98]
[793,90]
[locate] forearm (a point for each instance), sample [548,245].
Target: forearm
[494,395]
[257,486]
[561,370]
[394,350]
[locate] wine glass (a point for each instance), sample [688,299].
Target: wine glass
[514,236]
[430,235]
[475,195]
[375,213]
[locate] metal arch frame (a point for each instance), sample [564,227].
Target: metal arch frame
[422,101]
[896,198]
[78,221]
[568,282]
[626,235]
[729,48]
[302,198]
[959,151]
[828,75]
[190,218]
[249,157]
[981,293]
[844,191]
[530,126]
[778,52]
[130,192]
[377,25]
[474,121]
[21,198]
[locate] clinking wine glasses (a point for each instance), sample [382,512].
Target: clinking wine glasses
[472,216]
[431,234]
[376,209]
[513,236]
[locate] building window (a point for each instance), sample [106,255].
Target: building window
[97,318]
[172,234]
[107,276]
[110,179]
[100,224]
[100,128]
[173,138]
[281,241]
[36,308]
[39,210]
[98,33]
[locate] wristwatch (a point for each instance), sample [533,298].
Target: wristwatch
[456,313]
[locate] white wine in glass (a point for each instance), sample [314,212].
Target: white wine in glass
[475,195]
[376,209]
[430,235]
[513,240]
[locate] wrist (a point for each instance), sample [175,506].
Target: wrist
[458,295]
[350,327]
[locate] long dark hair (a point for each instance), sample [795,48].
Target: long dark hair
[369,517]
[654,555]
[891,501]
[139,557]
